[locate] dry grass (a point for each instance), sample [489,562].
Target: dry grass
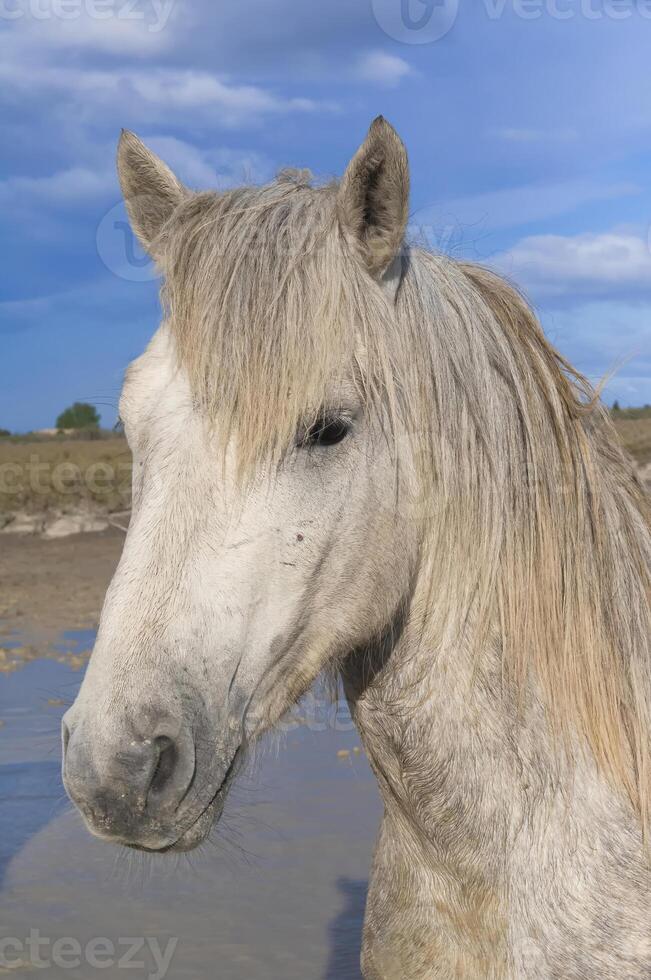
[635,434]
[64,474]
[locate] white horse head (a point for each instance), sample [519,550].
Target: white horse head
[272,530]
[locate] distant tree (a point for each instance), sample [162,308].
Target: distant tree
[616,407]
[79,416]
[4,433]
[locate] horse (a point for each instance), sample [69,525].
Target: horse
[354,455]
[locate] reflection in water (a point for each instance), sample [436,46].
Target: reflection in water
[29,793]
[291,908]
[346,932]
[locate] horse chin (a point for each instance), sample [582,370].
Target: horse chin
[197,833]
[189,839]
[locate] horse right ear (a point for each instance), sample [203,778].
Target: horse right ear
[373,201]
[151,191]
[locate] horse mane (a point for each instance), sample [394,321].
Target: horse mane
[539,523]
[571,540]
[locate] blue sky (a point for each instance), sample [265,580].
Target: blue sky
[528,124]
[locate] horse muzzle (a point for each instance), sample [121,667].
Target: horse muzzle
[148,791]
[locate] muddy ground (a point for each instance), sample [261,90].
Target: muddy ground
[50,587]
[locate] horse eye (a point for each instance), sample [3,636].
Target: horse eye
[327,432]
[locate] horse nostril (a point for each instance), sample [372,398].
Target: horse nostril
[165,765]
[131,787]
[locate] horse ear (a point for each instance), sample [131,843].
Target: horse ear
[373,201]
[151,191]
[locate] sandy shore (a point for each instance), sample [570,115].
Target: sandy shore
[47,587]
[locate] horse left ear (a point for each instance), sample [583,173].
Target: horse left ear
[151,191]
[373,201]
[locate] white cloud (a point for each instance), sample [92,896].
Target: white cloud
[158,93]
[113,36]
[140,28]
[218,168]
[588,264]
[189,89]
[382,68]
[66,187]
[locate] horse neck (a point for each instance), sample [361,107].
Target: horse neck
[472,785]
[436,726]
